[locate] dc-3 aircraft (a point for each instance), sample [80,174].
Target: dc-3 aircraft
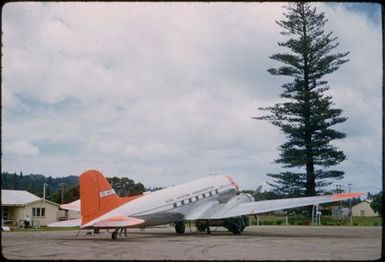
[205,200]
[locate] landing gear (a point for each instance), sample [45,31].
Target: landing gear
[179,227]
[114,234]
[235,229]
[208,227]
[201,227]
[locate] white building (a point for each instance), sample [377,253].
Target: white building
[363,209]
[16,204]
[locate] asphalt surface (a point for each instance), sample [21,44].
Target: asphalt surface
[255,243]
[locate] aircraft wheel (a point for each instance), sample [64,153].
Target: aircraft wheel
[114,235]
[236,229]
[179,227]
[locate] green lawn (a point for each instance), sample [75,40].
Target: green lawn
[325,220]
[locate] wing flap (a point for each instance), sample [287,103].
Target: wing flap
[204,210]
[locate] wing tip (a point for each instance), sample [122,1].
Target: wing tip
[348,195]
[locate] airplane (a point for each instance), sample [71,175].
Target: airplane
[205,200]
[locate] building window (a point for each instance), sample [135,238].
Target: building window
[5,212]
[38,212]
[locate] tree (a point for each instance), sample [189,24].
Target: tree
[307,115]
[70,194]
[376,203]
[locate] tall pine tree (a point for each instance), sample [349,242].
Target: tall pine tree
[306,116]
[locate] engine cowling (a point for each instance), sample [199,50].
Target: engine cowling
[239,199]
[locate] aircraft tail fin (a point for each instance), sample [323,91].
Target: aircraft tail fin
[96,196]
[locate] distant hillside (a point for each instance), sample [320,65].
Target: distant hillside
[34,183]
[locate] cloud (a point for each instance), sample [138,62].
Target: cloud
[22,148]
[165,92]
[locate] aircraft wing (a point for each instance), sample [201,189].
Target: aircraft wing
[219,211]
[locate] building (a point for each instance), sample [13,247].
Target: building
[16,204]
[363,209]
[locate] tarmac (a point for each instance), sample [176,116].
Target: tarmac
[162,243]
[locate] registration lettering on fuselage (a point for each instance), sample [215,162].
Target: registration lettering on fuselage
[106,193]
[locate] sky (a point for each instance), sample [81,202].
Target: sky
[165,92]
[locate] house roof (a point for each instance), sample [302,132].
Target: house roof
[18,198]
[362,202]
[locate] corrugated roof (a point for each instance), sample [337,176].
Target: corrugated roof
[17,197]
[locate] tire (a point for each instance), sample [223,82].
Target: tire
[235,229]
[114,235]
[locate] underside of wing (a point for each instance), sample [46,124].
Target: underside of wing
[118,222]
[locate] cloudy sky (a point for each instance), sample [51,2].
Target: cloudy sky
[165,92]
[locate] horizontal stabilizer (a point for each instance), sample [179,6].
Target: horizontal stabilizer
[66,223]
[74,206]
[118,221]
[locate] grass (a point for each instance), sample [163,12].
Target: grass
[325,220]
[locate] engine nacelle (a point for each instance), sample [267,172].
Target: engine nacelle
[239,199]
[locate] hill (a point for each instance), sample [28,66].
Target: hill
[34,183]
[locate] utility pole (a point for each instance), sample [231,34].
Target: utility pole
[62,192]
[338,191]
[44,185]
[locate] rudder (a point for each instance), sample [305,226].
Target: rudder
[96,195]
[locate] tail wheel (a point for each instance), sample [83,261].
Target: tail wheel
[179,227]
